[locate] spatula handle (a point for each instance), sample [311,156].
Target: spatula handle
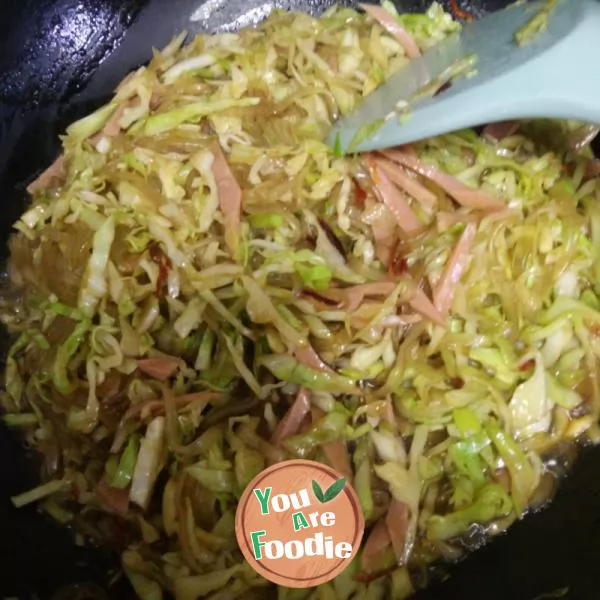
[562,82]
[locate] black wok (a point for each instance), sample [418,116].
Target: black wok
[58,60]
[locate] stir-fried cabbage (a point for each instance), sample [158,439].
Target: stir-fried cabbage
[201,288]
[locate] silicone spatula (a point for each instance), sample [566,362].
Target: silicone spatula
[555,75]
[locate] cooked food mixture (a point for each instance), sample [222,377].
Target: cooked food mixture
[201,288]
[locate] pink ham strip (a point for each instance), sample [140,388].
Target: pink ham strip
[377,542]
[396,201]
[401,320]
[361,318]
[335,452]
[459,191]
[390,24]
[338,458]
[293,418]
[421,303]
[113,500]
[499,215]
[55,171]
[230,198]
[396,522]
[447,220]
[444,291]
[501,130]
[308,357]
[384,234]
[159,368]
[410,185]
[152,408]
[157,406]
[112,127]
[408,149]
[351,298]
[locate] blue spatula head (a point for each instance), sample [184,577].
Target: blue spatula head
[556,74]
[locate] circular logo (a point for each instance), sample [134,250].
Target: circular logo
[299,523]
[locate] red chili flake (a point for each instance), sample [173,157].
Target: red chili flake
[458,12]
[398,264]
[359,196]
[528,364]
[164,265]
[457,383]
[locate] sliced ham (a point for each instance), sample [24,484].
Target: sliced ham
[55,172]
[362,317]
[293,418]
[502,129]
[384,231]
[463,194]
[408,149]
[113,500]
[352,297]
[421,303]
[338,458]
[157,406]
[159,368]
[391,24]
[112,127]
[308,357]
[499,215]
[230,199]
[396,522]
[153,408]
[503,478]
[401,320]
[409,184]
[457,263]
[447,220]
[378,541]
[336,452]
[396,201]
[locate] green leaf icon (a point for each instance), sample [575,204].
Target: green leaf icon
[318,491]
[335,488]
[331,492]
